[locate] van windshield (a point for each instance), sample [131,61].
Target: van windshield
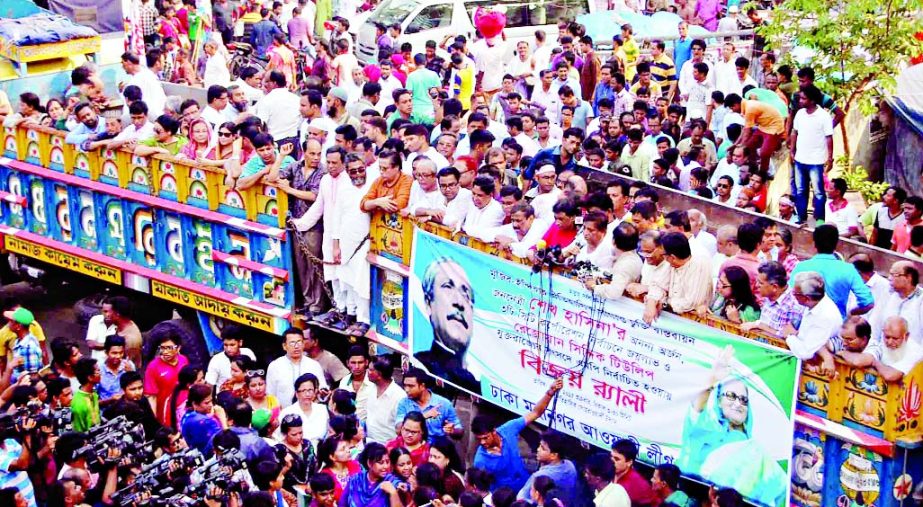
[531,12]
[393,11]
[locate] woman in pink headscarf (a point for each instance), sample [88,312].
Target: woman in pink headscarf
[200,140]
[397,63]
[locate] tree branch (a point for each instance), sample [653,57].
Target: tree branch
[859,89]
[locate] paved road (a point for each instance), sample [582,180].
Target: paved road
[54,311]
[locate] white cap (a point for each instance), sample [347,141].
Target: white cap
[733,9]
[323,123]
[545,169]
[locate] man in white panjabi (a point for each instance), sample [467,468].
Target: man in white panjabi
[325,207]
[350,234]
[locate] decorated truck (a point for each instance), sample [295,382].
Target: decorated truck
[804,439]
[158,225]
[730,408]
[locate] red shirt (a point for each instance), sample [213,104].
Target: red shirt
[418,456]
[557,237]
[901,238]
[160,380]
[353,468]
[760,200]
[638,489]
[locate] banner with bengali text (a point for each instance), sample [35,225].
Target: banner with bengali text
[718,406]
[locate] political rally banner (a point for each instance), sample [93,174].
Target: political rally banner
[720,407]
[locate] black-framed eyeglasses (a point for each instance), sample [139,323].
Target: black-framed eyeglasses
[225,134]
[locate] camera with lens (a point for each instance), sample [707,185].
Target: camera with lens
[117,433]
[59,420]
[219,471]
[585,270]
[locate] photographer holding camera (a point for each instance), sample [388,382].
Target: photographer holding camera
[15,455]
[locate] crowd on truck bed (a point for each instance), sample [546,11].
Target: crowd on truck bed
[483,137]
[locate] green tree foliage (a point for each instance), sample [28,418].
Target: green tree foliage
[859,46]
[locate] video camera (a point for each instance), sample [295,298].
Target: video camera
[117,433]
[154,487]
[219,471]
[161,481]
[59,420]
[585,270]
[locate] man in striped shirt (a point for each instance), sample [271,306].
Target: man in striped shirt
[14,458]
[663,71]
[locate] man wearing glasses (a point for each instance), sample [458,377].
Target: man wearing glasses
[281,373]
[426,201]
[162,375]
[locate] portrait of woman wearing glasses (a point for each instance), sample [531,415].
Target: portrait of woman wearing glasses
[314,415]
[718,443]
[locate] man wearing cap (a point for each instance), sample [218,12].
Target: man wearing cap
[336,107]
[729,22]
[7,337]
[547,193]
[27,353]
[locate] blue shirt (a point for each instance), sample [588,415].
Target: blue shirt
[682,53]
[433,425]
[83,133]
[262,35]
[15,479]
[603,91]
[109,380]
[30,351]
[198,430]
[506,467]
[549,156]
[840,278]
[564,475]
[582,113]
[256,164]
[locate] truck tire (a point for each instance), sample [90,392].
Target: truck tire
[89,307]
[146,311]
[193,344]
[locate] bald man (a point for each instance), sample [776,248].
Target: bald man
[853,346]
[899,354]
[726,244]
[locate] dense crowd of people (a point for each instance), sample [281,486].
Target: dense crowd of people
[489,138]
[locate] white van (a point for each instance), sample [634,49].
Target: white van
[423,20]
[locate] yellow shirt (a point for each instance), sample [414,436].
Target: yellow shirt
[652,87]
[7,337]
